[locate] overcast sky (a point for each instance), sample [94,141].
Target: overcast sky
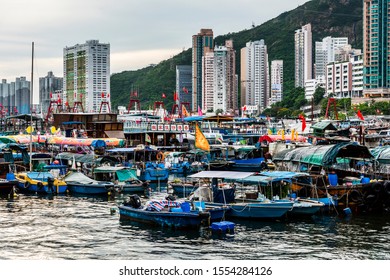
[140,32]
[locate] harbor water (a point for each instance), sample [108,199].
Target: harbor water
[84,228]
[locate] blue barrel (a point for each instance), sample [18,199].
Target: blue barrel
[186,207]
[333,179]
[365,180]
[10,176]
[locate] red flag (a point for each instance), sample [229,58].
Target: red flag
[360,115]
[244,108]
[175,96]
[185,90]
[302,118]
[51,95]
[163,95]
[102,94]
[81,96]
[66,104]
[135,94]
[108,95]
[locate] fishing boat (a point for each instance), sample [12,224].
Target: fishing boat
[235,157]
[42,182]
[167,213]
[278,186]
[125,179]
[146,160]
[220,193]
[78,183]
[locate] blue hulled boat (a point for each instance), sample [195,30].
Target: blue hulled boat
[166,213]
[236,158]
[40,182]
[220,193]
[78,183]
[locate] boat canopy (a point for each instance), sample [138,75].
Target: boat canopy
[324,155]
[382,154]
[221,174]
[76,157]
[265,178]
[79,178]
[39,176]
[123,173]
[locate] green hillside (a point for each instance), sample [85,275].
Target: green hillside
[336,18]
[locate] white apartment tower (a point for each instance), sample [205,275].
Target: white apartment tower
[219,80]
[345,79]
[303,55]
[208,81]
[326,52]
[254,75]
[276,81]
[87,75]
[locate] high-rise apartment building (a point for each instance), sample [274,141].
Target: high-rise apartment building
[276,81]
[184,85]
[231,78]
[345,79]
[21,88]
[208,81]
[48,86]
[219,90]
[254,75]
[303,55]
[376,47]
[87,75]
[15,97]
[200,42]
[220,79]
[326,52]
[7,98]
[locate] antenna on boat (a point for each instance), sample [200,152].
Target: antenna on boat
[31,101]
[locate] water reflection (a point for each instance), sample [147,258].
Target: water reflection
[72,227]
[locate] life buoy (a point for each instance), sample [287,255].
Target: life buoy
[160,156]
[355,196]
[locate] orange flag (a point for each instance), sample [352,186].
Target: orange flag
[184,111]
[200,140]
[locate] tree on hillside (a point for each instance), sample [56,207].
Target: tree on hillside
[318,95]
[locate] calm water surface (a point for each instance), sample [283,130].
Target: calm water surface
[80,228]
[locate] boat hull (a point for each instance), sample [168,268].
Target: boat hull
[45,189]
[256,210]
[191,219]
[90,189]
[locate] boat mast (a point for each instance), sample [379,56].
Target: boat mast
[31,101]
